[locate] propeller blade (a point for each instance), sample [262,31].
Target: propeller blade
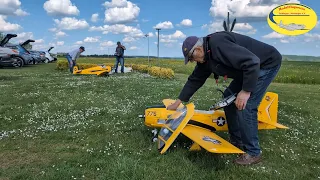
[233,23]
[225,26]
[228,22]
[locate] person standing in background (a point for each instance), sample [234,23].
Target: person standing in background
[119,57]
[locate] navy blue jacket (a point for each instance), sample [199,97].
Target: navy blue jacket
[238,56]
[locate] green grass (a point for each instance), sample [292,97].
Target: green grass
[54,125]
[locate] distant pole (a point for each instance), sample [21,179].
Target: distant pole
[147,35]
[158,29]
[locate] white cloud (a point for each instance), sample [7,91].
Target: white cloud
[284,41]
[168,40]
[60,43]
[150,34]
[20,12]
[79,43]
[39,47]
[53,29]
[91,39]
[8,27]
[274,35]
[186,22]
[144,20]
[164,25]
[129,39]
[68,23]
[310,37]
[12,7]
[133,48]
[169,45]
[177,35]
[95,17]
[60,7]
[116,3]
[244,28]
[121,11]
[245,8]
[60,34]
[107,44]
[213,27]
[39,41]
[22,37]
[172,38]
[119,29]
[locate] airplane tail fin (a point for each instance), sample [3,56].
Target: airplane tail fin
[280,23]
[268,111]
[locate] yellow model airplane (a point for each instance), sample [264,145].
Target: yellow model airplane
[99,70]
[199,125]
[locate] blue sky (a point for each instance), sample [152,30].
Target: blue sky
[99,24]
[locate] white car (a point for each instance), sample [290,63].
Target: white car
[50,57]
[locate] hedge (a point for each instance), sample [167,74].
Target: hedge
[153,70]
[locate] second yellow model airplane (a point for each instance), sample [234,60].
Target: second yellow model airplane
[199,125]
[99,70]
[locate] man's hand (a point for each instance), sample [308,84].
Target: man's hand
[242,99]
[175,105]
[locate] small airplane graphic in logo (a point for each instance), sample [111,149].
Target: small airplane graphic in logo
[291,26]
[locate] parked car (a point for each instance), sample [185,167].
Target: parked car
[8,56]
[36,56]
[41,55]
[49,56]
[23,53]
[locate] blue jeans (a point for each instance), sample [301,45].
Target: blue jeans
[243,124]
[71,63]
[121,60]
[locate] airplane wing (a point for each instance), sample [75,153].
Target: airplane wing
[209,140]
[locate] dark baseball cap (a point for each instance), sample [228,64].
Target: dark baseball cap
[187,45]
[82,48]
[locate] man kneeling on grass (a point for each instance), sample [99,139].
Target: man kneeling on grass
[251,64]
[73,56]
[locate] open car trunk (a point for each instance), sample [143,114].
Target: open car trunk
[27,42]
[50,49]
[6,39]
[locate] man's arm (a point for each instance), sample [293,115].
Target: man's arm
[240,58]
[198,77]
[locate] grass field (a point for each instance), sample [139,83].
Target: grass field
[57,126]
